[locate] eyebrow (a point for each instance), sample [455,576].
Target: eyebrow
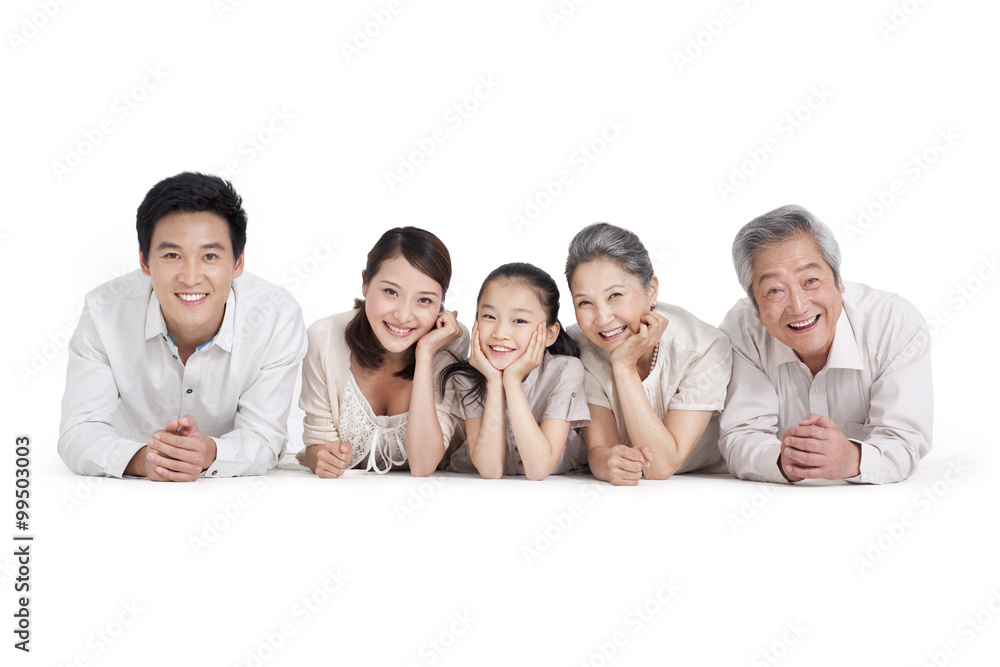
[163,245]
[606,289]
[808,267]
[514,310]
[396,287]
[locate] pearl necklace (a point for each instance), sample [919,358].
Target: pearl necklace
[656,353]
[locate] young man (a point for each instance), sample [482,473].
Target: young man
[831,380]
[185,367]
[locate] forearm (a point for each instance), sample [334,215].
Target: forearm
[424,439]
[94,449]
[488,443]
[538,454]
[645,429]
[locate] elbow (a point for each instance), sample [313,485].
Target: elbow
[421,469]
[536,474]
[662,472]
[491,474]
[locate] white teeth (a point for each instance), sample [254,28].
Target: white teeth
[803,323]
[501,348]
[397,329]
[613,332]
[192,297]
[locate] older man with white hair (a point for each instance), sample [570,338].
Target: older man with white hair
[831,379]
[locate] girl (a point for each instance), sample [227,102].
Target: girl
[369,375]
[521,394]
[656,373]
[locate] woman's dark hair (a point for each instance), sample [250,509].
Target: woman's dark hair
[191,192]
[427,254]
[545,288]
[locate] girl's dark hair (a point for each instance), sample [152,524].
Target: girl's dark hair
[545,288]
[426,253]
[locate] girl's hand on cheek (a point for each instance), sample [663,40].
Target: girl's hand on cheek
[530,360]
[478,358]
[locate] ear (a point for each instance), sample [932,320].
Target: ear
[841,286]
[653,290]
[238,267]
[551,333]
[143,264]
[364,287]
[756,314]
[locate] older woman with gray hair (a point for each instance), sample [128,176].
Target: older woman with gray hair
[655,373]
[831,380]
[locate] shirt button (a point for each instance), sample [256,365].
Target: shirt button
[574,394]
[215,472]
[190,391]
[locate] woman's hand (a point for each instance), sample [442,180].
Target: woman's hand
[445,330]
[625,465]
[328,460]
[651,328]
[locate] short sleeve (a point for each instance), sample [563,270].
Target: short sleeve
[703,386]
[568,397]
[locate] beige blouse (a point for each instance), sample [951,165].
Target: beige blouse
[325,384]
[692,371]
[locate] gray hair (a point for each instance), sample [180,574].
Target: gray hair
[773,227]
[602,240]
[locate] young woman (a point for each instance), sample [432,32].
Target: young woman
[655,372]
[368,378]
[521,394]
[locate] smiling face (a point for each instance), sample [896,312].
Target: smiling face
[192,267]
[609,301]
[509,312]
[798,300]
[401,304]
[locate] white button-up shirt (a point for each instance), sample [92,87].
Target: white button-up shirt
[875,386]
[126,380]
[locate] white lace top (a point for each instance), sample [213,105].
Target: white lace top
[378,442]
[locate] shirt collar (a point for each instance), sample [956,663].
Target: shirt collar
[843,353]
[157,326]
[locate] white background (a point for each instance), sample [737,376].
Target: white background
[749,561]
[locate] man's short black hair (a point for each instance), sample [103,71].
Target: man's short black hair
[191,192]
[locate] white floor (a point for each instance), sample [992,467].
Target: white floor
[289,569]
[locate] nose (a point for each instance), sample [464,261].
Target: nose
[603,314]
[502,330]
[191,273]
[404,311]
[798,301]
